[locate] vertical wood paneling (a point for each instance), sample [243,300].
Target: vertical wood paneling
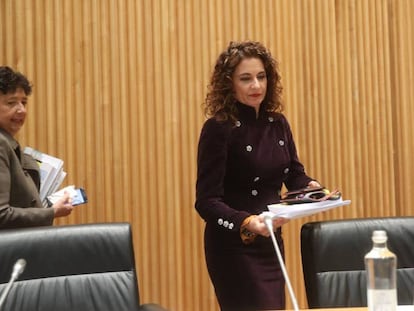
[118,87]
[401,88]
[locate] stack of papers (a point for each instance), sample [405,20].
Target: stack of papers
[51,172]
[291,211]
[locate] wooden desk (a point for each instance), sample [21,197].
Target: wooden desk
[340,309]
[399,308]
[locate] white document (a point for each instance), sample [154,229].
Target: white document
[291,211]
[51,172]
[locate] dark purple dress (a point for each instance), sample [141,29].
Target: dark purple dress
[241,169]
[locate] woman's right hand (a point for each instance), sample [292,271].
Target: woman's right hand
[63,207]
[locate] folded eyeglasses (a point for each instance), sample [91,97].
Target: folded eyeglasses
[310,195]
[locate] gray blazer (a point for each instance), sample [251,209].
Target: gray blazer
[20,204]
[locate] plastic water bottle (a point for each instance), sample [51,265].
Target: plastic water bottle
[381,268]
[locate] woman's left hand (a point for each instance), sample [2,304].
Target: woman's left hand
[314,184]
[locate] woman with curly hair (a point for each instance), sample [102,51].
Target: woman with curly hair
[246,153]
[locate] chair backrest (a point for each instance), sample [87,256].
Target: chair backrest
[76,267]
[333,259]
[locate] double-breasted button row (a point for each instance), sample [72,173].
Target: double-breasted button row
[249,148]
[254,192]
[225,223]
[238,122]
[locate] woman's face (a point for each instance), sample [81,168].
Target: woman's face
[250,82]
[13,111]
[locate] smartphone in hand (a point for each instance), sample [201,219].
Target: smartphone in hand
[78,196]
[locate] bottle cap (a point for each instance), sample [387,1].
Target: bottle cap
[379,236]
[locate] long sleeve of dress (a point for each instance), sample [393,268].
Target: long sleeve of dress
[211,162]
[296,178]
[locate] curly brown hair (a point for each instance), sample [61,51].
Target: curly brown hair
[220,100]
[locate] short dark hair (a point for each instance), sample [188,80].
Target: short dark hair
[11,80]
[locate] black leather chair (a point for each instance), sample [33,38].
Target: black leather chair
[333,259]
[76,267]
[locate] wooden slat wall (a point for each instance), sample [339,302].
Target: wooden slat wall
[118,87]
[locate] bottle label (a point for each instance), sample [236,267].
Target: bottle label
[382,300]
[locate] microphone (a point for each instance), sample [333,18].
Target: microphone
[268,220]
[18,269]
